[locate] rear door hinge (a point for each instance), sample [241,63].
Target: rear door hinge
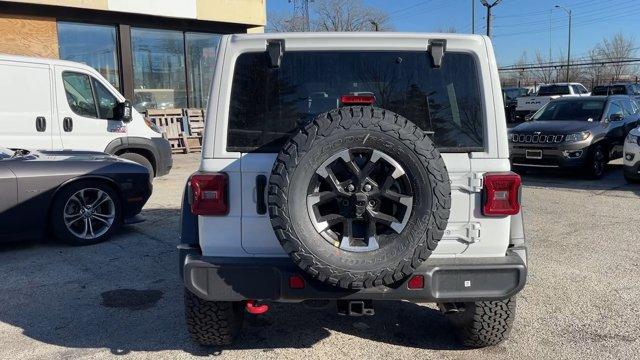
[437,48]
[468,233]
[275,49]
[473,183]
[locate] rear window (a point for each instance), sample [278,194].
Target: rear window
[550,90]
[609,90]
[269,105]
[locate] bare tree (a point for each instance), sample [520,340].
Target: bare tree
[543,75]
[334,15]
[285,23]
[349,15]
[449,29]
[617,48]
[597,73]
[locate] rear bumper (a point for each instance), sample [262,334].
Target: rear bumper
[445,280]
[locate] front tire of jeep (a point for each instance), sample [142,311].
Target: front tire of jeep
[212,323]
[483,323]
[596,165]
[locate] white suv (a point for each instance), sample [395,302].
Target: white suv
[351,168]
[632,156]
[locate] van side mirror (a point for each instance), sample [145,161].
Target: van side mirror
[123,111]
[615,117]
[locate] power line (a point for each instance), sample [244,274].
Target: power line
[559,65]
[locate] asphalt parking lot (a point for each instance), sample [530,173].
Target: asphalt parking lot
[124,297]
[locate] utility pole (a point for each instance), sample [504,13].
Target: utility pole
[473,16]
[568,11]
[376,26]
[489,7]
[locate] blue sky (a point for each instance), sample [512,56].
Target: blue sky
[519,25]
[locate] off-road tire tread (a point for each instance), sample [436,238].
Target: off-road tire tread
[212,323]
[335,122]
[484,323]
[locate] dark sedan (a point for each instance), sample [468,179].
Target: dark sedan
[79,197]
[574,132]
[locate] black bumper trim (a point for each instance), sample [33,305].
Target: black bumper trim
[446,280]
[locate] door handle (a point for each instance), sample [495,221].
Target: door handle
[261,184]
[67,124]
[41,124]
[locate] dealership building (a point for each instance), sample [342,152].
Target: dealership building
[159,53]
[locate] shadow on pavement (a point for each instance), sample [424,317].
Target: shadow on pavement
[124,295]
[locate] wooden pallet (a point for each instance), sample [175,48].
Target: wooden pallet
[172,124]
[195,119]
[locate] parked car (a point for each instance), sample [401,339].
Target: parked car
[52,104]
[510,96]
[632,156]
[79,197]
[583,133]
[396,186]
[632,90]
[530,104]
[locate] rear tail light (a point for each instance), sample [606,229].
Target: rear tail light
[357,99]
[501,194]
[416,282]
[209,194]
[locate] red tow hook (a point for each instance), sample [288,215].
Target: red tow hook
[256,309]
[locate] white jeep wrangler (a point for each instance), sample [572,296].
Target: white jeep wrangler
[351,167]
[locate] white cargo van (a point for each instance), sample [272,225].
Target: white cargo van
[49,104]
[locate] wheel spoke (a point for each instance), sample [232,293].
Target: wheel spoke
[102,220]
[405,200]
[91,228]
[86,228]
[71,219]
[322,197]
[100,199]
[327,221]
[79,196]
[381,218]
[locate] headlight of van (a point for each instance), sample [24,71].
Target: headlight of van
[633,139]
[577,136]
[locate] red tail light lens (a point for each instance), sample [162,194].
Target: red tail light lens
[296,282]
[209,194]
[357,99]
[501,194]
[416,282]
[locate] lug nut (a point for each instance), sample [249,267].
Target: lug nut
[350,187]
[372,203]
[367,187]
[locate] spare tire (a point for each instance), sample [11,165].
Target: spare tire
[359,198]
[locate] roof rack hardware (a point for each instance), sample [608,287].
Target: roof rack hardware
[275,49]
[437,48]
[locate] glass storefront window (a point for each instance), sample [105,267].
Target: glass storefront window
[159,80]
[94,45]
[202,50]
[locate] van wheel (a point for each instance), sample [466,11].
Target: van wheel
[483,323]
[135,157]
[85,213]
[212,323]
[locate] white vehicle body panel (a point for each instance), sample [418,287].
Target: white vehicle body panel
[244,232]
[630,148]
[32,87]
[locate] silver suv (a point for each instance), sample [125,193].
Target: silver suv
[348,168]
